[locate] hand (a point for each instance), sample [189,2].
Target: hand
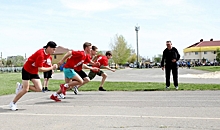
[95,69]
[174,60]
[162,68]
[60,62]
[55,66]
[113,70]
[96,64]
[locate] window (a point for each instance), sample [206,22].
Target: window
[205,52]
[55,56]
[214,52]
[196,53]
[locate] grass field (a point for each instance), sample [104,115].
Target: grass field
[8,81]
[208,68]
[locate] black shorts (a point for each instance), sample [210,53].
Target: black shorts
[48,74]
[28,76]
[81,73]
[92,75]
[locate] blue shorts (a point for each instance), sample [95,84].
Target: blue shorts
[69,73]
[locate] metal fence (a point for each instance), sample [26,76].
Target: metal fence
[10,69]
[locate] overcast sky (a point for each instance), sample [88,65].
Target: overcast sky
[27,25]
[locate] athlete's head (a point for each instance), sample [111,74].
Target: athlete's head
[50,47]
[94,50]
[87,46]
[169,45]
[108,54]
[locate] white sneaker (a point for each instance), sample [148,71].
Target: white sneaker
[13,106]
[75,90]
[18,88]
[61,96]
[177,87]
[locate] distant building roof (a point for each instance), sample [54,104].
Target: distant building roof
[61,50]
[205,43]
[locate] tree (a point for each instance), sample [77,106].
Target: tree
[15,60]
[158,58]
[218,55]
[120,50]
[132,58]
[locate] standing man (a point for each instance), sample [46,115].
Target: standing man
[34,64]
[170,57]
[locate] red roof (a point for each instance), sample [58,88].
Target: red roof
[205,43]
[61,50]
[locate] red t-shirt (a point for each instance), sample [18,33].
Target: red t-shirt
[48,62]
[38,59]
[77,59]
[103,60]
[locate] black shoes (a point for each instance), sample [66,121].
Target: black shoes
[101,89]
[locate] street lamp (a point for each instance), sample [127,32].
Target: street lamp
[137,28]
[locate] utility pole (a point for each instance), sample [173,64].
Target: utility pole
[137,28]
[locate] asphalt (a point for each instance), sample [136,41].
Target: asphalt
[148,110]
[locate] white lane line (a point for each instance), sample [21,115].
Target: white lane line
[119,116]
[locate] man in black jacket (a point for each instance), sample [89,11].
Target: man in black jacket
[170,57]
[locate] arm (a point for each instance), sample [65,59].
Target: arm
[67,55]
[162,61]
[108,68]
[91,68]
[45,69]
[177,55]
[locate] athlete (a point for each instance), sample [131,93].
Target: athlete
[32,66]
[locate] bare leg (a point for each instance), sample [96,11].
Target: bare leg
[104,76]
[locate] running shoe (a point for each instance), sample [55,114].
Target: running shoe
[75,90]
[18,87]
[101,89]
[13,106]
[55,98]
[167,87]
[61,96]
[63,89]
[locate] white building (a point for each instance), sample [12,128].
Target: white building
[202,50]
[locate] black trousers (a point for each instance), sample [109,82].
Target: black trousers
[174,68]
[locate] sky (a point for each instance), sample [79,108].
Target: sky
[27,25]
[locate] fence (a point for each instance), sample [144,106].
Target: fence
[10,69]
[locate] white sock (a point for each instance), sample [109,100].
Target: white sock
[55,94]
[66,85]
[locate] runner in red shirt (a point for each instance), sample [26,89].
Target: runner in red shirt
[30,70]
[103,60]
[74,75]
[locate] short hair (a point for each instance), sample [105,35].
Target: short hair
[94,48]
[86,44]
[108,53]
[168,42]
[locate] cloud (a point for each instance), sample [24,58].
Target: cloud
[88,5]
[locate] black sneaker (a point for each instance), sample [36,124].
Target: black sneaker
[43,90]
[101,89]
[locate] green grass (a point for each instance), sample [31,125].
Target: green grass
[8,81]
[208,68]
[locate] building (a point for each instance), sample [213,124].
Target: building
[59,53]
[202,51]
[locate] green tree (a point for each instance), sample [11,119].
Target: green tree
[15,60]
[218,55]
[120,50]
[132,58]
[158,58]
